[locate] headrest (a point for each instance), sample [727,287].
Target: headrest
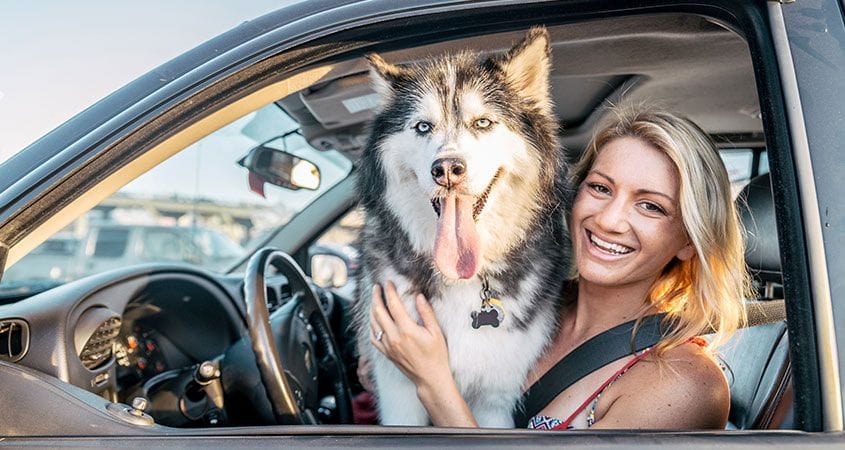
[757,208]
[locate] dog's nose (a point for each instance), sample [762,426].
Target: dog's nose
[448,172]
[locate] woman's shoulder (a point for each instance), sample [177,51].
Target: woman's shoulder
[691,361]
[684,388]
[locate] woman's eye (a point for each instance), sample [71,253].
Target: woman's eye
[652,207]
[482,123]
[598,187]
[423,127]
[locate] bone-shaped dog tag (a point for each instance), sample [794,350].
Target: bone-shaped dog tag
[491,313]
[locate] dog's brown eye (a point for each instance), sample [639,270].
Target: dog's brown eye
[423,127]
[483,123]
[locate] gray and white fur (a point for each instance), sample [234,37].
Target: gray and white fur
[499,216]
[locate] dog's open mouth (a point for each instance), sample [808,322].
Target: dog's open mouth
[457,245]
[480,201]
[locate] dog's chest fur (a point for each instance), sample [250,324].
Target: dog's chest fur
[489,361]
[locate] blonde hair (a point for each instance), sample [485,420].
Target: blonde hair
[705,293]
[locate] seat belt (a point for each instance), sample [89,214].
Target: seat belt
[612,345]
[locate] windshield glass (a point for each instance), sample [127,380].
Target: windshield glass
[202,206]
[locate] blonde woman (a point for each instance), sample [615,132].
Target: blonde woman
[654,230]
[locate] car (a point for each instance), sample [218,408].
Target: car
[189,355]
[108,245]
[54,259]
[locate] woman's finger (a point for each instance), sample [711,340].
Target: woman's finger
[374,328]
[377,343]
[395,307]
[429,320]
[379,313]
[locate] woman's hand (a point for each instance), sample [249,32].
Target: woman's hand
[419,351]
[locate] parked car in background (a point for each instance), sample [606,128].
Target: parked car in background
[106,246]
[55,259]
[112,245]
[185,339]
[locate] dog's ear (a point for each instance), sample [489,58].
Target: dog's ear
[384,74]
[527,66]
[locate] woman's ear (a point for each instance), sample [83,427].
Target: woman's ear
[686,253]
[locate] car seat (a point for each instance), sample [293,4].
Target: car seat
[757,358]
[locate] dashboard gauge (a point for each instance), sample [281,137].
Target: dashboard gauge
[139,356]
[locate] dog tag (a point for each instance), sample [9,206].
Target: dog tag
[491,313]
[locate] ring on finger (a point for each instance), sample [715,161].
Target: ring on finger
[379,335]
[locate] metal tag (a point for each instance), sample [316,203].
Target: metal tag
[491,313]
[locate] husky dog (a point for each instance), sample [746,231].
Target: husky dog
[462,184]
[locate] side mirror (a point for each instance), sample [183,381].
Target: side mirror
[332,266]
[268,163]
[328,271]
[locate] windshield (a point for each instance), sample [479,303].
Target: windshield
[201,206]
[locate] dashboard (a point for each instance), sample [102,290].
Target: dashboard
[146,331]
[172,323]
[109,332]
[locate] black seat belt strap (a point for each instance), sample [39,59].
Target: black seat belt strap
[597,352]
[611,345]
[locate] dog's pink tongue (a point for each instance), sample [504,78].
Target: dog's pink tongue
[456,245]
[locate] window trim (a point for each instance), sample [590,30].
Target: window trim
[825,331]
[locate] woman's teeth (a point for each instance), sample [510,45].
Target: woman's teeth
[609,247]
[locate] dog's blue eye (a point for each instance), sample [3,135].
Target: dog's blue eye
[423,127]
[483,123]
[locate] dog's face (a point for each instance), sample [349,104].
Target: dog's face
[455,138]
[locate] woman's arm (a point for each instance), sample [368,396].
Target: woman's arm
[420,352]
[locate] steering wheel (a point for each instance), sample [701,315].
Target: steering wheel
[289,383]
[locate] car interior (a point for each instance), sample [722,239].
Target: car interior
[180,337]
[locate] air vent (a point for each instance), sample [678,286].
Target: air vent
[14,339]
[95,335]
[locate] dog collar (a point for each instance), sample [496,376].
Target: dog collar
[492,311]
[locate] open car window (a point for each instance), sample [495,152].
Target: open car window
[199,207]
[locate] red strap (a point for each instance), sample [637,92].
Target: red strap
[699,341]
[565,424]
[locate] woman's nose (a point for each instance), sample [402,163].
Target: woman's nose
[613,216]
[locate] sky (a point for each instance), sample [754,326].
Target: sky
[58,57]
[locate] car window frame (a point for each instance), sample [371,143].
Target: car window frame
[816,123]
[306,48]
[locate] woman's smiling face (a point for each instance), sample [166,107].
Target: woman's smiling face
[626,222]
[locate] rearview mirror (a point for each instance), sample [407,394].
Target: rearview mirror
[270,162]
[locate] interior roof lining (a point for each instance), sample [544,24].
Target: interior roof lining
[687,63]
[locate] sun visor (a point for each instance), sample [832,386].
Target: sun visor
[342,102]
